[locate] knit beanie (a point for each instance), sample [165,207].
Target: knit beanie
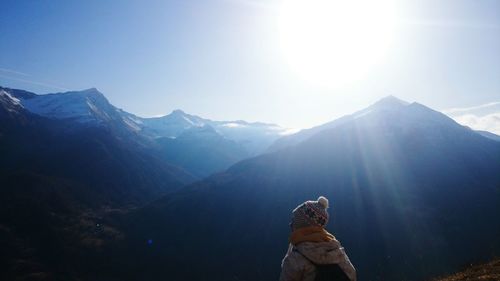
[310,213]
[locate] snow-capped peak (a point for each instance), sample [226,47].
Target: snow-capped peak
[389,102]
[83,106]
[13,99]
[178,112]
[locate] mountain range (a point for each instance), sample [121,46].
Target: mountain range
[91,192]
[58,175]
[414,195]
[223,142]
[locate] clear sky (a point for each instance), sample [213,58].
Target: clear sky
[226,59]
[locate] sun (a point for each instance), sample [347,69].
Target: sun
[332,42]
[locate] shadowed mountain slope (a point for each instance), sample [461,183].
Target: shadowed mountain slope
[57,178]
[413,195]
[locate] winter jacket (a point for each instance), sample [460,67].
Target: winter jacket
[296,267]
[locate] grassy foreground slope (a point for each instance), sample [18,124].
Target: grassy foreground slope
[483,272]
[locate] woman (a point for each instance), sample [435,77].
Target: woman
[313,253]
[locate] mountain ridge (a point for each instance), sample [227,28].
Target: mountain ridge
[90,108]
[402,179]
[387,103]
[407,178]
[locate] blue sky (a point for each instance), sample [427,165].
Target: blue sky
[222,59]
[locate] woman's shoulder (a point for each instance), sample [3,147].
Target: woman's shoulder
[309,246]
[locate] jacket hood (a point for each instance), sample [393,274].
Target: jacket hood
[322,252]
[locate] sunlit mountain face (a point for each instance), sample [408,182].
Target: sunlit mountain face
[198,145]
[91,192]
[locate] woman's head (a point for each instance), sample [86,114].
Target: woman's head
[310,213]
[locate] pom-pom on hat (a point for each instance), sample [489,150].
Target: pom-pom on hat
[311,213]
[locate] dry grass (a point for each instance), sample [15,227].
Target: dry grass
[483,272]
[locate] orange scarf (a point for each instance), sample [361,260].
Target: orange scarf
[310,234]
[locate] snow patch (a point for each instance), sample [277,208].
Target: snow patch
[14,100]
[92,107]
[137,121]
[132,124]
[188,120]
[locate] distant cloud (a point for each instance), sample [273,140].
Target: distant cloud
[5,70]
[485,117]
[233,125]
[489,123]
[471,109]
[289,132]
[18,76]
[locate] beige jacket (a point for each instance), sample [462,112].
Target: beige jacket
[295,267]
